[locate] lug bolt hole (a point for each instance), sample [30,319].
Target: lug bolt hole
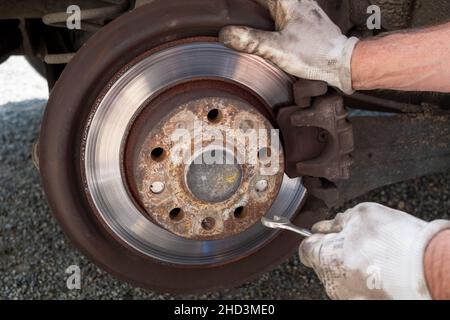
[240,213]
[176,214]
[208,223]
[158,154]
[214,115]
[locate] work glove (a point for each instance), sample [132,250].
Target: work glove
[371,252]
[306,43]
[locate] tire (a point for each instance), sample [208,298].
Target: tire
[62,134]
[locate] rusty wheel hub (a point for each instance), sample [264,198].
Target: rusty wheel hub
[203,171]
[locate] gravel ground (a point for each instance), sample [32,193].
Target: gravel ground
[34,253]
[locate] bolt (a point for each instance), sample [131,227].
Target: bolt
[157,187]
[262,185]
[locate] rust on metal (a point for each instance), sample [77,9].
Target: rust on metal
[202,175]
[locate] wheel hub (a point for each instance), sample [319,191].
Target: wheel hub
[208,155]
[213,182]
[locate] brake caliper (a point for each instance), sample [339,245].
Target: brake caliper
[318,137]
[318,140]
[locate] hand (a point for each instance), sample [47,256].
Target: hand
[306,44]
[371,252]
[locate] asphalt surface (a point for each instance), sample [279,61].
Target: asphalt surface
[34,253]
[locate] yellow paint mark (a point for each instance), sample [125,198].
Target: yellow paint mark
[232,178]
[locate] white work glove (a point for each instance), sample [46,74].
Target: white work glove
[307,44]
[371,252]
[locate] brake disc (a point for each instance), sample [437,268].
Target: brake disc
[104,123]
[192,240]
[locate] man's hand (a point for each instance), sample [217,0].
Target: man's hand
[371,252]
[306,44]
